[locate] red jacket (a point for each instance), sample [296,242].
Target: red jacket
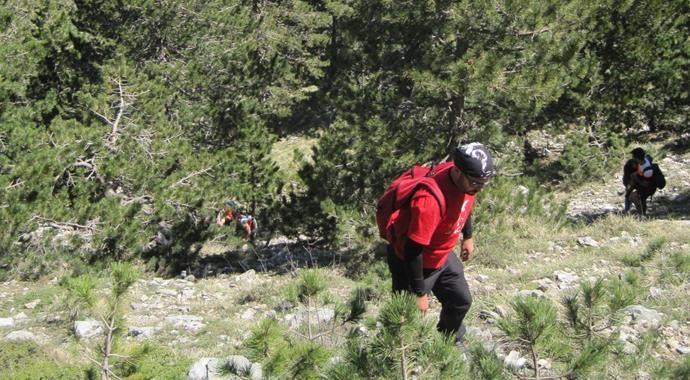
[425,226]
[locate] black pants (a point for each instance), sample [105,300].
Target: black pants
[447,283]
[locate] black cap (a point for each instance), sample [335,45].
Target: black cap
[474,160]
[638,153]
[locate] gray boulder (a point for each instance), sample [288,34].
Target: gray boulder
[21,335]
[88,329]
[641,314]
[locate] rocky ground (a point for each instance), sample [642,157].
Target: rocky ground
[208,318]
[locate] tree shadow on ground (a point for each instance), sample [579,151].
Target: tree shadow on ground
[281,258]
[679,145]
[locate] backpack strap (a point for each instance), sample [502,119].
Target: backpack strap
[431,185]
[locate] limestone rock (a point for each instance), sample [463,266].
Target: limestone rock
[88,329]
[21,335]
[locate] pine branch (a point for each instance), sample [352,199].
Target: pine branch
[118,117]
[62,225]
[197,173]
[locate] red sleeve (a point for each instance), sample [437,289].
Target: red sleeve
[425,216]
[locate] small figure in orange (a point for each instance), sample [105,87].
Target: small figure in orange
[227,216]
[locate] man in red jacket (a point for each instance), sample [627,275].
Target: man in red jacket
[424,261]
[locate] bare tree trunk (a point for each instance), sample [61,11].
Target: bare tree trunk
[107,348]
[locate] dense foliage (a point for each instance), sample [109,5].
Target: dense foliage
[124,121]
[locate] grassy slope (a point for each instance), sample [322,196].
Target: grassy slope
[511,262]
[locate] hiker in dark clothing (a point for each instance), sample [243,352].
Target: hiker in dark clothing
[423,261]
[637,178]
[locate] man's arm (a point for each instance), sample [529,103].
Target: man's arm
[415,273]
[467,228]
[467,249]
[414,267]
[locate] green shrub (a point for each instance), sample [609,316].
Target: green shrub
[148,361]
[29,361]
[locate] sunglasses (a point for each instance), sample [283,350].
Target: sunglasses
[475,182]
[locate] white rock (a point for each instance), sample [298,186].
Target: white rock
[6,322]
[32,304]
[87,329]
[318,316]
[521,189]
[247,276]
[629,348]
[241,366]
[587,241]
[641,314]
[514,361]
[544,284]
[141,332]
[204,369]
[683,350]
[188,322]
[248,314]
[481,278]
[565,277]
[531,293]
[655,292]
[21,335]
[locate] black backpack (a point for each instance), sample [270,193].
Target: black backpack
[658,179]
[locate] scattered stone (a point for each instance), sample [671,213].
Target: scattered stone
[141,332]
[587,241]
[483,335]
[20,317]
[655,292]
[544,284]
[239,365]
[284,305]
[683,350]
[641,314]
[87,329]
[214,368]
[544,363]
[248,276]
[167,292]
[565,277]
[186,293]
[6,322]
[500,310]
[514,361]
[19,336]
[531,293]
[31,305]
[322,315]
[629,348]
[188,322]
[248,314]
[481,278]
[489,316]
[204,369]
[521,189]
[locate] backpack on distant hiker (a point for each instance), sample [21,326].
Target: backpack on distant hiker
[658,180]
[399,194]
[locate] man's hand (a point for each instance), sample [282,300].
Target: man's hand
[423,303]
[467,249]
